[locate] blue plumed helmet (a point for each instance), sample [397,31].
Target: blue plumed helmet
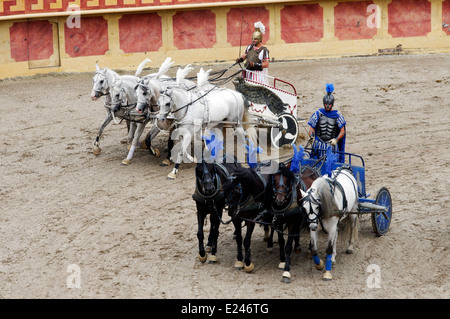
[329,97]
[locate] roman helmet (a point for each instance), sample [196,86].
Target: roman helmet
[329,97]
[260,29]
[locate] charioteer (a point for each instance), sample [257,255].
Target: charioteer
[327,128]
[257,56]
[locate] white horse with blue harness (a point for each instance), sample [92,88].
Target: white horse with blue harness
[326,202]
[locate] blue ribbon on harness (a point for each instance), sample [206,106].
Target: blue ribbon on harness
[296,159]
[252,153]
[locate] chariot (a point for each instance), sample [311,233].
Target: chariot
[273,104]
[380,207]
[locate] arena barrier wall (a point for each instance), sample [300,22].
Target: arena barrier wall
[42,36]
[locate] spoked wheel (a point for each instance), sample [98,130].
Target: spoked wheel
[382,221]
[285,134]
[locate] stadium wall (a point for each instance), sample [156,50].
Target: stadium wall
[42,36]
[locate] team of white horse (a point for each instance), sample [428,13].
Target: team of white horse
[192,107]
[169,103]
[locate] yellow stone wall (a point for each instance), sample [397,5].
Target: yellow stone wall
[435,41]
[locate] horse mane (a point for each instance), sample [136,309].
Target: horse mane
[227,186]
[117,82]
[105,71]
[246,176]
[154,87]
[229,167]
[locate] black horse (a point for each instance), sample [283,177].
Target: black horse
[244,194]
[283,202]
[210,200]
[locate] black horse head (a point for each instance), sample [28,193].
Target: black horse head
[233,192]
[281,187]
[244,182]
[207,179]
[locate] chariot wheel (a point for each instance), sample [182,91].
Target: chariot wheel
[286,133]
[382,221]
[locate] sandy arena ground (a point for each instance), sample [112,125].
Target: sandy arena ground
[132,234]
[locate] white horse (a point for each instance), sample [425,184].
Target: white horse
[326,202]
[207,106]
[149,99]
[123,104]
[102,83]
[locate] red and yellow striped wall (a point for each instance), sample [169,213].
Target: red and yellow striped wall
[39,36]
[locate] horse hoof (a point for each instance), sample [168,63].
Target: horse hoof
[126,162]
[171,176]
[297,250]
[212,259]
[349,251]
[143,145]
[249,268]
[97,150]
[281,265]
[202,259]
[208,249]
[320,265]
[269,250]
[165,162]
[327,276]
[286,277]
[155,151]
[239,265]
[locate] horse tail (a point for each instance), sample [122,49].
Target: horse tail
[246,103]
[352,231]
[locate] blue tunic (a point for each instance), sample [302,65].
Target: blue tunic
[319,146]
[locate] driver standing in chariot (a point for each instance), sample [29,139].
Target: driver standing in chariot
[327,127]
[257,56]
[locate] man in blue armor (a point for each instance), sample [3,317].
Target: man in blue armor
[327,128]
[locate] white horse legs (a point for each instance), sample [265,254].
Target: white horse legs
[135,132]
[97,150]
[178,150]
[352,229]
[330,225]
[182,148]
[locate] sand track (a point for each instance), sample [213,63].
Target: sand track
[133,233]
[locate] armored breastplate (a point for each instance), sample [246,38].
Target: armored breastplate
[253,56]
[327,128]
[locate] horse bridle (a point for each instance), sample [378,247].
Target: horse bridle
[164,93]
[276,190]
[237,189]
[311,200]
[101,93]
[211,178]
[122,101]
